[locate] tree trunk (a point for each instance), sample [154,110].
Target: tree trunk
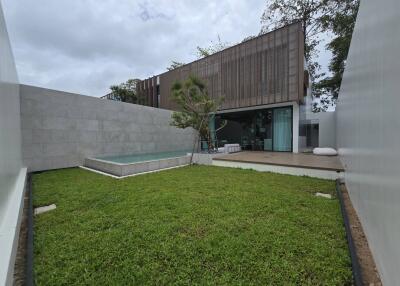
[196,139]
[209,142]
[194,147]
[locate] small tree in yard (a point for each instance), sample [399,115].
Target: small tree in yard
[197,109]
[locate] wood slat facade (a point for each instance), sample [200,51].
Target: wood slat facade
[265,70]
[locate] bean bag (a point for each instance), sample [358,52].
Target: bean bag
[325,151]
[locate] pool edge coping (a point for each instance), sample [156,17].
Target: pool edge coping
[126,164]
[132,175]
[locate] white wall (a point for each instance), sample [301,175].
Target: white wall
[61,129]
[10,133]
[11,175]
[327,127]
[368,128]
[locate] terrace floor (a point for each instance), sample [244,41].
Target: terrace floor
[301,160]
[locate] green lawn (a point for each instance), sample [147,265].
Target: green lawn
[188,226]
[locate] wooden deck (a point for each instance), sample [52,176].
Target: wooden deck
[302,160]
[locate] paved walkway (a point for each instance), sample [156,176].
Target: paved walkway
[301,160]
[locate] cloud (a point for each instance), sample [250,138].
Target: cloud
[87,45]
[149,12]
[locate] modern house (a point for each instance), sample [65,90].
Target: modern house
[263,82]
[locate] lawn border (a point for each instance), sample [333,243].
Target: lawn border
[29,241]
[355,264]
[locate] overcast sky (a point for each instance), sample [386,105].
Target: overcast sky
[84,46]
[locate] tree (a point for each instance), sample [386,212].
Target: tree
[197,108]
[248,38]
[313,15]
[342,25]
[175,65]
[212,49]
[205,52]
[126,92]
[323,103]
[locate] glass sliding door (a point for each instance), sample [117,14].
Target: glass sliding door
[282,129]
[268,130]
[257,130]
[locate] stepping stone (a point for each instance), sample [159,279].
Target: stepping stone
[44,209]
[327,196]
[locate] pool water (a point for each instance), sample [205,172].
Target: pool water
[135,158]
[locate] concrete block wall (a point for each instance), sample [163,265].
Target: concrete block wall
[61,129]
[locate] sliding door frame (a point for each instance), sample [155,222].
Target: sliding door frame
[291,131]
[271,109]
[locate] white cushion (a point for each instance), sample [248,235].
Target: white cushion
[232,145]
[232,148]
[325,151]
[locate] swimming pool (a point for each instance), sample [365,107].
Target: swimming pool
[138,163]
[134,158]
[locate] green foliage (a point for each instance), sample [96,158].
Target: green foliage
[195,225]
[313,14]
[212,49]
[248,38]
[323,103]
[342,25]
[126,92]
[196,107]
[175,65]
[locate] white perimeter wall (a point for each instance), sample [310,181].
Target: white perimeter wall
[11,175]
[10,133]
[368,128]
[327,128]
[61,129]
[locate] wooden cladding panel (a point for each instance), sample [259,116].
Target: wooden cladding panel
[265,70]
[148,89]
